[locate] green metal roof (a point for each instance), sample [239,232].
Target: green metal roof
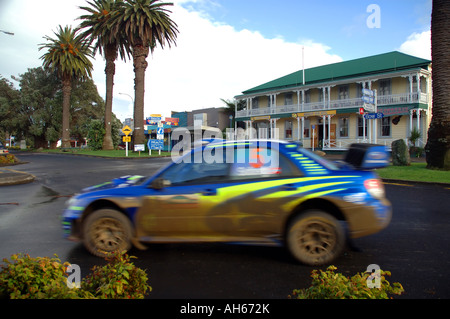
[376,64]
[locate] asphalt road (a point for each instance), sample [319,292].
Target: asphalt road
[414,247]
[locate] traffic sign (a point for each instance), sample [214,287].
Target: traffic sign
[126,130]
[368,92]
[126,139]
[155,144]
[160,133]
[369,108]
[368,99]
[361,111]
[373,116]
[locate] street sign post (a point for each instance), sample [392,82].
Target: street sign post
[155,145]
[369,98]
[127,131]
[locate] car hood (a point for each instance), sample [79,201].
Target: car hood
[121,182]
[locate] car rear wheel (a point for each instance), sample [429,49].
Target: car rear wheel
[315,238]
[106,231]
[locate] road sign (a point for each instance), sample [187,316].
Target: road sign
[361,110]
[139,147]
[373,116]
[126,130]
[155,144]
[369,108]
[126,139]
[160,133]
[368,99]
[368,92]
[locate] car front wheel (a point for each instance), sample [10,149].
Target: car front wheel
[315,238]
[106,231]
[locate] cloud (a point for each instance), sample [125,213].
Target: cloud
[211,61]
[418,44]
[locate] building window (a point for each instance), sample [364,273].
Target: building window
[343,127]
[385,87]
[255,103]
[343,92]
[288,99]
[361,127]
[386,127]
[288,129]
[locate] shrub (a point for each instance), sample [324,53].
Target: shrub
[34,278]
[117,280]
[330,285]
[46,278]
[400,153]
[8,159]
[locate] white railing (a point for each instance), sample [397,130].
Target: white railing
[382,100]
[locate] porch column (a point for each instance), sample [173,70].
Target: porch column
[298,128]
[329,97]
[298,101]
[329,130]
[303,130]
[324,95]
[411,112]
[418,120]
[303,100]
[410,89]
[323,126]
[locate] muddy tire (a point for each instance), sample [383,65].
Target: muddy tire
[106,231]
[315,238]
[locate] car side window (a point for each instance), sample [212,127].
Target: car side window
[251,163]
[193,170]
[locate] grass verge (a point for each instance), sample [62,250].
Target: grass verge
[112,153]
[415,172]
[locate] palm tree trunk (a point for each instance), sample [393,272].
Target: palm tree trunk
[140,54]
[110,70]
[438,144]
[67,91]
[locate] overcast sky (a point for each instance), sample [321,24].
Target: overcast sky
[227,46]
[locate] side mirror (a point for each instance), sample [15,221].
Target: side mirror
[160,183]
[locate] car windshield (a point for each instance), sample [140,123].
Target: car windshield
[319,159]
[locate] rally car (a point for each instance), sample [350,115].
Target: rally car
[253,191]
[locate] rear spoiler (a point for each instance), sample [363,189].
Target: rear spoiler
[367,156]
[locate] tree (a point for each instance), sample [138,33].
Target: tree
[109,42]
[34,112]
[9,99]
[145,23]
[68,54]
[438,144]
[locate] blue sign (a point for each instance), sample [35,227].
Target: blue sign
[368,99]
[155,144]
[368,92]
[373,116]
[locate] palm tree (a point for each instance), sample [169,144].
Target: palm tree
[146,23]
[438,144]
[68,55]
[109,44]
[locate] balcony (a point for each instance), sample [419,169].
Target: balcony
[383,100]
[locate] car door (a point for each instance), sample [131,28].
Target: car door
[179,210]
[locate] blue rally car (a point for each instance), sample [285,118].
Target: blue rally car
[258,192]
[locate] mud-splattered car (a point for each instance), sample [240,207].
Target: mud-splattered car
[258,192]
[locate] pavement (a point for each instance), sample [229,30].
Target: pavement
[10,176]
